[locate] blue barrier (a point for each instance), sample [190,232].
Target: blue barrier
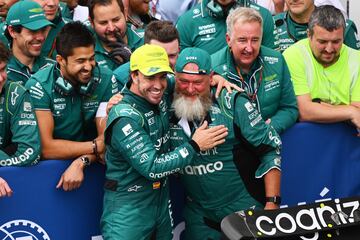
[319,161]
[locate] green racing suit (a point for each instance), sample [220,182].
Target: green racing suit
[138,161]
[19,133]
[228,177]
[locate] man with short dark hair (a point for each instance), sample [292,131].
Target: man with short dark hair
[115,39]
[226,178]
[27,28]
[204,26]
[19,133]
[325,72]
[161,33]
[291,26]
[67,96]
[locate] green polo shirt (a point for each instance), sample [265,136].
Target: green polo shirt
[135,40]
[48,49]
[198,28]
[18,72]
[74,113]
[268,85]
[338,84]
[288,32]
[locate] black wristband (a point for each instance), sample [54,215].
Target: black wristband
[274,199]
[194,145]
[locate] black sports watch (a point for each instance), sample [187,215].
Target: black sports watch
[85,160]
[274,199]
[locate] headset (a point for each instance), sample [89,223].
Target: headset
[65,88]
[217,11]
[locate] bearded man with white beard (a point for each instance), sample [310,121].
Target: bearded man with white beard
[243,172]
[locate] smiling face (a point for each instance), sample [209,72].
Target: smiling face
[326,45]
[192,98]
[108,22]
[78,67]
[244,42]
[149,87]
[28,43]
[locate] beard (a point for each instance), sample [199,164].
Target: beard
[192,110]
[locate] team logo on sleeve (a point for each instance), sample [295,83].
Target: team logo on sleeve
[184,152]
[37,91]
[27,107]
[127,129]
[14,96]
[249,107]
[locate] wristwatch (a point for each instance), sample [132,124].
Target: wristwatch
[274,199]
[85,160]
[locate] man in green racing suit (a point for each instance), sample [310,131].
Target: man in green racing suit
[19,133]
[138,157]
[242,173]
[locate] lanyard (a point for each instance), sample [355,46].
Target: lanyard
[253,95]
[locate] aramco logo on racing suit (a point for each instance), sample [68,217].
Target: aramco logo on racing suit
[203,168]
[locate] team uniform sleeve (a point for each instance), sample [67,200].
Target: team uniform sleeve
[25,134]
[122,74]
[262,137]
[39,97]
[288,112]
[296,66]
[351,38]
[137,148]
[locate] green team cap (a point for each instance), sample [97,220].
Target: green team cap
[194,55]
[28,14]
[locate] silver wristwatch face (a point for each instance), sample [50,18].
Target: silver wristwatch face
[85,160]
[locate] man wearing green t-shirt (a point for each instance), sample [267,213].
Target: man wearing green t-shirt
[27,29]
[114,38]
[67,96]
[291,26]
[19,133]
[325,72]
[262,72]
[204,25]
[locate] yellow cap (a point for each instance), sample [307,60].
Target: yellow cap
[150,60]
